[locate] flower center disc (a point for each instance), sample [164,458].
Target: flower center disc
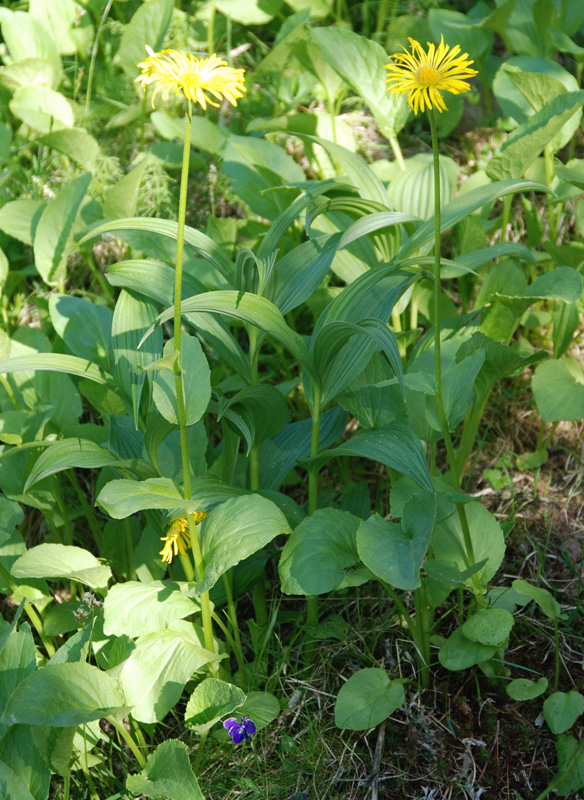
[428,76]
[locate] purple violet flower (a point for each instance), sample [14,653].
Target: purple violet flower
[239,731]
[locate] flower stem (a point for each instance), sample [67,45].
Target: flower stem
[438,362]
[127,737]
[312,600]
[180,399]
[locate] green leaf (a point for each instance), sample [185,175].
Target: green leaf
[250,12]
[18,748]
[196,380]
[53,239]
[558,389]
[58,363]
[366,699]
[64,695]
[167,773]
[122,199]
[132,316]
[136,609]
[257,412]
[253,309]
[460,653]
[121,498]
[321,554]
[62,561]
[261,707]
[211,700]
[522,689]
[361,63]
[68,453]
[159,287]
[42,109]
[570,777]
[530,139]
[27,37]
[233,531]
[20,218]
[17,662]
[562,709]
[396,446]
[491,626]
[486,535]
[199,242]
[394,553]
[148,26]
[76,144]
[254,167]
[544,599]
[11,785]
[85,327]
[154,675]
[463,206]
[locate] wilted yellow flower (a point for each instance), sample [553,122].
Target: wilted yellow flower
[424,75]
[196,78]
[177,539]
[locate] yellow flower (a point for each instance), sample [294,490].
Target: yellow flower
[177,539]
[424,75]
[196,78]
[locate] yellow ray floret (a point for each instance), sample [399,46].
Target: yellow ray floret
[423,75]
[202,80]
[177,540]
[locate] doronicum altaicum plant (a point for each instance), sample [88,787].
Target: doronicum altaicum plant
[227,369]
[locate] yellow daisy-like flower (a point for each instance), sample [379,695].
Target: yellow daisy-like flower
[177,539]
[424,75]
[195,78]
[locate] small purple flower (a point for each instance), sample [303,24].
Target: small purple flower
[239,731]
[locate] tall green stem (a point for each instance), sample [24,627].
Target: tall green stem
[180,399]
[437,357]
[121,729]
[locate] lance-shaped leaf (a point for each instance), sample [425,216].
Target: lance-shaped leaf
[68,453]
[56,362]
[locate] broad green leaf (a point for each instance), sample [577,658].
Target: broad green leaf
[570,777]
[11,785]
[530,139]
[261,707]
[154,675]
[211,700]
[27,37]
[121,200]
[167,773]
[77,144]
[522,689]
[321,554]
[251,12]
[562,709]
[30,72]
[394,553]
[59,18]
[412,191]
[361,63]
[373,397]
[486,534]
[20,218]
[54,234]
[367,699]
[136,609]
[196,381]
[64,695]
[148,26]
[18,748]
[199,242]
[544,599]
[396,446]
[256,166]
[42,109]
[68,453]
[463,206]
[62,561]
[558,389]
[233,531]
[491,626]
[17,661]
[302,269]
[460,653]
[85,327]
[132,316]
[121,498]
